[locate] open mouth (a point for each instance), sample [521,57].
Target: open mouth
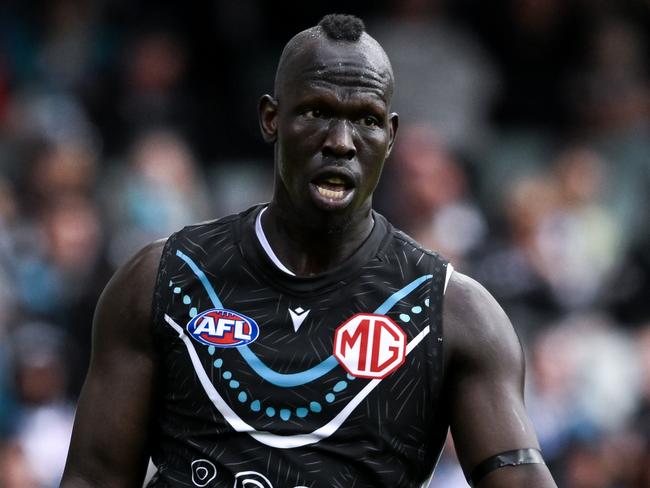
[333,191]
[333,187]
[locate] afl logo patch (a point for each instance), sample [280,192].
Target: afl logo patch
[223,328]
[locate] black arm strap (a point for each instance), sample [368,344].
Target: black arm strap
[508,458]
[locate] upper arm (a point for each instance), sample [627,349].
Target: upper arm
[485,383]
[109,441]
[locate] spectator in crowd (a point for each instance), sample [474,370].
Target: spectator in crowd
[441,62]
[14,470]
[44,424]
[427,194]
[159,190]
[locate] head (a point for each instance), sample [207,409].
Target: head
[330,122]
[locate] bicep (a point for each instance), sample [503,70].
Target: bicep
[486,382]
[109,443]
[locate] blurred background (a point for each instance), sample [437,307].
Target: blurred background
[523,155]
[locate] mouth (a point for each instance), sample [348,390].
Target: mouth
[333,190]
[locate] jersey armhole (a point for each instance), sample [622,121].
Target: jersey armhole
[156,308]
[450,271]
[439,269]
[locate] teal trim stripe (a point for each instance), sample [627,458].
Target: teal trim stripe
[201,276]
[287,380]
[392,300]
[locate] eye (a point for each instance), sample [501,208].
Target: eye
[369,121]
[314,113]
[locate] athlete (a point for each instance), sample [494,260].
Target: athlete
[304,342]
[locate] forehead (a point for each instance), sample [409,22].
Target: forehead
[321,63]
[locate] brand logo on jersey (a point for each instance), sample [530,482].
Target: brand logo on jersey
[223,328]
[370,345]
[298,316]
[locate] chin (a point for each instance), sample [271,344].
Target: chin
[339,225]
[333,222]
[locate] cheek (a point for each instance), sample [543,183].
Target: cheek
[297,144]
[288,150]
[376,142]
[375,175]
[299,140]
[372,153]
[374,147]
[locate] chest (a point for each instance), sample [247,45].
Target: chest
[294,364]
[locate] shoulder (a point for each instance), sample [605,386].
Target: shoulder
[224,222]
[476,329]
[124,309]
[140,271]
[399,241]
[215,232]
[467,301]
[402,238]
[145,259]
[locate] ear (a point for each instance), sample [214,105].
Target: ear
[393,124]
[268,118]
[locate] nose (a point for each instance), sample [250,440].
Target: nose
[340,141]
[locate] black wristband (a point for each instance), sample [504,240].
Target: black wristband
[508,458]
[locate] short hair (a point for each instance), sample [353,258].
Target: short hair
[341,27]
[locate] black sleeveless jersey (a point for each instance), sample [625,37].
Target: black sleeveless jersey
[276,381]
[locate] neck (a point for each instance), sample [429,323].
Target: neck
[307,249]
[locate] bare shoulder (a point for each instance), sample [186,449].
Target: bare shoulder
[125,305]
[475,326]
[141,269]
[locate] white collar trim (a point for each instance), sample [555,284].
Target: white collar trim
[259,232]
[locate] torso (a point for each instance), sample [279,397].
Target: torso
[303,399]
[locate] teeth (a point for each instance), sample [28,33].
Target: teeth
[333,194]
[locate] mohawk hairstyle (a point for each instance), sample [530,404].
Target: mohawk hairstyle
[341,27]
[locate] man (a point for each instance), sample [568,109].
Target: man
[304,343]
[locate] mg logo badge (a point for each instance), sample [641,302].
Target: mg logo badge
[369,345]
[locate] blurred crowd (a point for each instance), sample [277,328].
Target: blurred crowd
[523,155]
